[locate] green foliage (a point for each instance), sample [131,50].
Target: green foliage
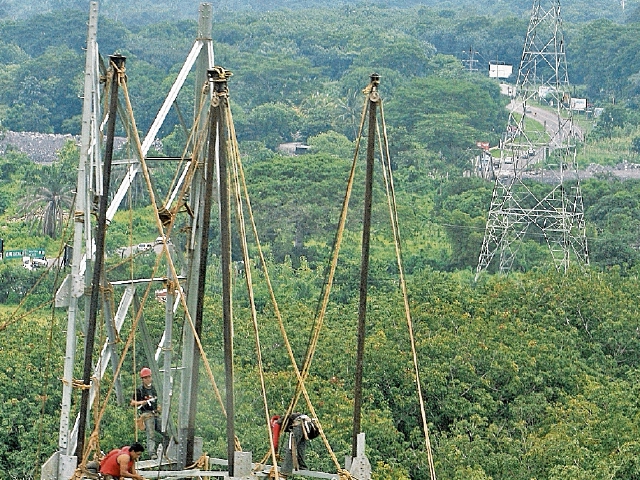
[31,118]
[533,375]
[332,143]
[290,223]
[313,65]
[600,40]
[11,54]
[41,101]
[613,117]
[29,398]
[272,123]
[448,115]
[49,204]
[519,374]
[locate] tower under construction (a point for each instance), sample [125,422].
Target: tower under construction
[537,189]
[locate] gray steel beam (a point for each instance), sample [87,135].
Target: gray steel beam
[194,245]
[134,169]
[111,342]
[82,220]
[167,349]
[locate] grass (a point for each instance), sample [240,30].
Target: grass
[609,151]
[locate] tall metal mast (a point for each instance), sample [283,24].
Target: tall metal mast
[219,148]
[373,100]
[115,76]
[540,143]
[62,463]
[194,248]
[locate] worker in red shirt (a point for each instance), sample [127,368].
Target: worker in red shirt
[119,464]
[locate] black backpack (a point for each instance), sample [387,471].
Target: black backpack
[311,428]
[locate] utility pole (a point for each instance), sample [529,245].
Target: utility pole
[374,99]
[116,76]
[470,60]
[556,215]
[220,150]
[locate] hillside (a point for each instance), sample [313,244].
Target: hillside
[531,375]
[139,12]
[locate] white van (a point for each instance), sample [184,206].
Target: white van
[33,263]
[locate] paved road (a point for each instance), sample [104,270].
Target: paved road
[550,121]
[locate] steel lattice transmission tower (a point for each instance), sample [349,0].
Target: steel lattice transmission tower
[537,189]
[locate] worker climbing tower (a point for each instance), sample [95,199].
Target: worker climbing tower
[537,189]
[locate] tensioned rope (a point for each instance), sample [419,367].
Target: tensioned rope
[234,155]
[324,301]
[393,214]
[241,178]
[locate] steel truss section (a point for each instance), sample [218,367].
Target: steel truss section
[554,213]
[63,462]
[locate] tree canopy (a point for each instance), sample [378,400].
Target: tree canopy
[530,375]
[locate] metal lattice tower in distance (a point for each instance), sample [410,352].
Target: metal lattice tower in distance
[539,144]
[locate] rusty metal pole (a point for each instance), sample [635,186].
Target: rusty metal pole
[117,66]
[209,178]
[219,77]
[364,260]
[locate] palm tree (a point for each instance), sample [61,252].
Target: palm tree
[46,207]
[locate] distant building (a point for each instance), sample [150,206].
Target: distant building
[509,90]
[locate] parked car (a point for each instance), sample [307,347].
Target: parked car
[158,241]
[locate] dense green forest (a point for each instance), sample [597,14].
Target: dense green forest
[305,70]
[138,11]
[530,375]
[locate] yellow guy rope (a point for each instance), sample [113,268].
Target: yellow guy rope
[234,154]
[393,213]
[147,178]
[300,385]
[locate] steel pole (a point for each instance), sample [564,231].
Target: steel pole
[117,64]
[81,220]
[203,61]
[364,261]
[218,77]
